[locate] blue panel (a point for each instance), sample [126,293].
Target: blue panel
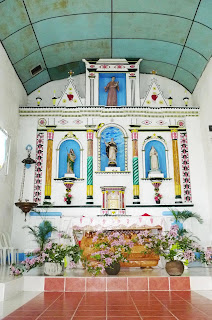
[104,78]
[193,62]
[117,134]
[150,26]
[204,13]
[200,39]
[45,214]
[21,44]
[66,52]
[147,49]
[80,27]
[159,147]
[64,149]
[185,78]
[182,8]
[37,81]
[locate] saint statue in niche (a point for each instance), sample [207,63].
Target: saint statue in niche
[111,151]
[154,163]
[71,157]
[112,88]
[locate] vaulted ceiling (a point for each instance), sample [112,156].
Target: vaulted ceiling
[173,37]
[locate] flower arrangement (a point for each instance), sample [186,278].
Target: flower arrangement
[68,197]
[110,249]
[172,246]
[52,252]
[158,196]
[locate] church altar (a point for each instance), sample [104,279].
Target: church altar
[129,226]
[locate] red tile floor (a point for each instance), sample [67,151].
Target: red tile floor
[131,305]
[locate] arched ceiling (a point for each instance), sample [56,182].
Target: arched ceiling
[173,37]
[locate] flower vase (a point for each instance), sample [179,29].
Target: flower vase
[52,269]
[158,201]
[174,268]
[113,269]
[68,201]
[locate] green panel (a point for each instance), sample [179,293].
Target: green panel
[24,66]
[61,72]
[150,26]
[80,27]
[147,49]
[37,81]
[193,62]
[66,52]
[200,39]
[13,17]
[186,79]
[44,9]
[182,8]
[204,13]
[21,44]
[163,69]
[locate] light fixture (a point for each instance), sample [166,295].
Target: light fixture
[186,101]
[170,99]
[38,99]
[71,73]
[26,205]
[54,99]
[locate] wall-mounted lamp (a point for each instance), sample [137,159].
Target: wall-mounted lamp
[26,205]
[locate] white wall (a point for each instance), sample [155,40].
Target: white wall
[203,97]
[12,96]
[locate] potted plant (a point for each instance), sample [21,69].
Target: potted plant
[158,197]
[42,233]
[174,248]
[110,249]
[52,256]
[68,197]
[182,216]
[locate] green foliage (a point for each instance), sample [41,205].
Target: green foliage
[41,232]
[181,216]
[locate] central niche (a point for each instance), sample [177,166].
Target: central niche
[104,79]
[118,136]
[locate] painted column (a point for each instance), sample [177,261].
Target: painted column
[135,166]
[50,137]
[92,77]
[89,166]
[174,136]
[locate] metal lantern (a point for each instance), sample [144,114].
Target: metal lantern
[26,205]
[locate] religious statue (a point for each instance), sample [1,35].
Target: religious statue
[154,163]
[111,151]
[112,88]
[71,157]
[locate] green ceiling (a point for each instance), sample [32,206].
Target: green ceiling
[173,37]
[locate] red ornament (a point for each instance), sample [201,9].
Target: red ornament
[70,97]
[154,97]
[146,215]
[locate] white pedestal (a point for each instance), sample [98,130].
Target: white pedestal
[112,169]
[155,175]
[69,175]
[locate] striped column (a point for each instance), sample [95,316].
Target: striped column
[174,136]
[135,166]
[89,166]
[50,137]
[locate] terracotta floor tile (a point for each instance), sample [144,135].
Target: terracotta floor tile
[156,313]
[156,283]
[95,284]
[25,313]
[138,283]
[116,284]
[122,307]
[52,318]
[20,318]
[91,307]
[160,318]
[54,284]
[58,313]
[122,313]
[91,318]
[75,284]
[182,283]
[123,318]
[89,313]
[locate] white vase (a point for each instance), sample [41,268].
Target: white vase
[52,268]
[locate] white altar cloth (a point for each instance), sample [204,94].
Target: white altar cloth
[119,222]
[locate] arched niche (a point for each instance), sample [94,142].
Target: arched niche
[104,79]
[120,138]
[161,149]
[63,149]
